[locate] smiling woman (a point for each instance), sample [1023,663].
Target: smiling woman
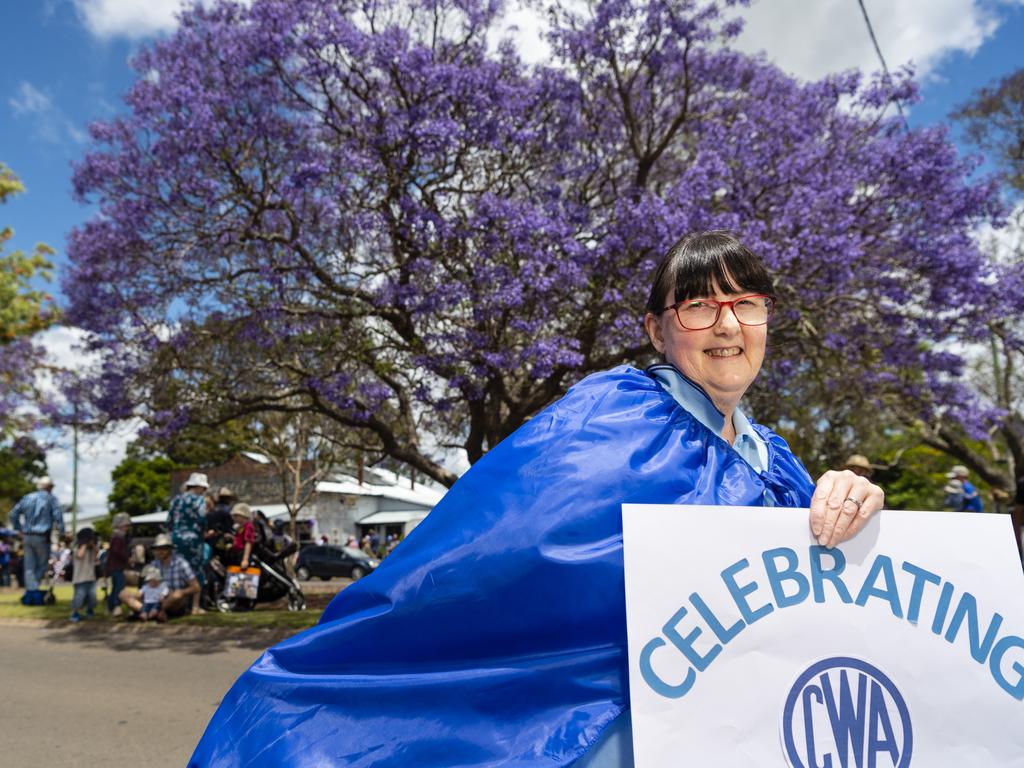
[707,315]
[495,635]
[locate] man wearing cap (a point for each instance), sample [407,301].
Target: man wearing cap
[176,573]
[35,515]
[186,521]
[971,498]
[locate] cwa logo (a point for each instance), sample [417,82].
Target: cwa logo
[845,713]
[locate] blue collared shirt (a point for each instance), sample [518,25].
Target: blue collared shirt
[748,444]
[41,512]
[615,746]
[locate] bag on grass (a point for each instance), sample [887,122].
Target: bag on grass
[244,584]
[36,597]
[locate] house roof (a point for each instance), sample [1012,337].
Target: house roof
[395,516]
[421,495]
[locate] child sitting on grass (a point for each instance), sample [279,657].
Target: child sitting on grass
[153,592]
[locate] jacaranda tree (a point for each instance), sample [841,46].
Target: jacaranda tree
[378,212]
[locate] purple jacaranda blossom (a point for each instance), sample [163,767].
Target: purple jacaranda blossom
[397,223]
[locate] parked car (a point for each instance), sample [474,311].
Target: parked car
[327,560]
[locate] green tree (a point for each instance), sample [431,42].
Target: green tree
[993,120]
[23,308]
[140,483]
[206,446]
[21,461]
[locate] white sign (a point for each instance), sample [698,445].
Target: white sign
[749,645]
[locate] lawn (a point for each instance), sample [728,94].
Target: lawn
[263,617]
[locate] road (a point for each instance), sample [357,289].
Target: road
[140,696]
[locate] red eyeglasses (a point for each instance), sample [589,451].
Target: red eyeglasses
[698,314]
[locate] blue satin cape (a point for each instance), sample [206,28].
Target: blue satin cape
[495,635]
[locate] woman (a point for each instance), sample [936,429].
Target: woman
[495,635]
[117,561]
[186,522]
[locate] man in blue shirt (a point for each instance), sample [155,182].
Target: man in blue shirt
[971,498]
[35,516]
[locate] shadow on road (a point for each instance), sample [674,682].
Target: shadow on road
[190,640]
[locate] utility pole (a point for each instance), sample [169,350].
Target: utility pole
[74,471]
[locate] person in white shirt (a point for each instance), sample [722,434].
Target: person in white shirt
[153,592]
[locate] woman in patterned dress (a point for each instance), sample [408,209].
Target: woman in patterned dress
[186,522]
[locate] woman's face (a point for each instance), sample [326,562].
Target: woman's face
[723,359]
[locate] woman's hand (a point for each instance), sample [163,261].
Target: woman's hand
[842,503]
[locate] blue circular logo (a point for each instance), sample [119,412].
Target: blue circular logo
[845,712]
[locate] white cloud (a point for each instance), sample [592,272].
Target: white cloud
[812,39]
[29,100]
[1007,243]
[49,121]
[807,39]
[97,458]
[527,28]
[133,19]
[98,455]
[128,18]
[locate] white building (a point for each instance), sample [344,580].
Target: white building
[342,506]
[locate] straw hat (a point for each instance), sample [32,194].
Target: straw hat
[44,483]
[242,510]
[197,480]
[162,541]
[226,493]
[121,518]
[151,573]
[958,470]
[858,461]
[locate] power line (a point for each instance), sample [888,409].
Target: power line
[881,58]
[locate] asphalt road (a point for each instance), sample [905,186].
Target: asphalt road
[77,697]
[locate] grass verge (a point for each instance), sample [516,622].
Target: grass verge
[270,617]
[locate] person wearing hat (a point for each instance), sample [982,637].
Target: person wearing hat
[219,525]
[186,521]
[176,573]
[153,592]
[971,501]
[859,465]
[954,499]
[245,534]
[35,516]
[117,560]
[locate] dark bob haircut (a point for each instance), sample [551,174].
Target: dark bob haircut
[698,262]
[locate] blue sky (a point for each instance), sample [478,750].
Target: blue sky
[67,65]
[59,78]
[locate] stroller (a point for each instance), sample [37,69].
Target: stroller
[275,583]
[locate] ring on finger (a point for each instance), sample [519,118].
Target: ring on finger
[855,502]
